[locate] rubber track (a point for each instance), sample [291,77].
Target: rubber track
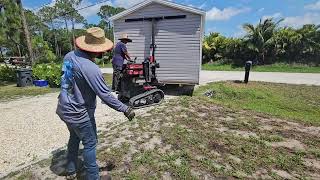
[135,98]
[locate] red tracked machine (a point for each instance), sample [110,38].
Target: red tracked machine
[139,84]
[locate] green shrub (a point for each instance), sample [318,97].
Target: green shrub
[43,51]
[7,73]
[50,72]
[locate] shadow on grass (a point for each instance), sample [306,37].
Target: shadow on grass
[59,163]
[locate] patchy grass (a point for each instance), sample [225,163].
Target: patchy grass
[196,139]
[267,68]
[108,78]
[9,91]
[296,102]
[201,138]
[106,65]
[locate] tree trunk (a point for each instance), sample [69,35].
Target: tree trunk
[1,53]
[66,23]
[19,50]
[55,39]
[26,31]
[73,37]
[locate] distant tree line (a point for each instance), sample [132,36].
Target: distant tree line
[53,31]
[52,28]
[265,43]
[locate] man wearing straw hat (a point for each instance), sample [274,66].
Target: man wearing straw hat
[120,54]
[82,81]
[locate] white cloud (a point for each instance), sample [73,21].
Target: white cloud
[92,10]
[313,6]
[225,14]
[298,21]
[126,3]
[274,16]
[261,10]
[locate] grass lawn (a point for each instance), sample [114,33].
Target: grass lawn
[108,78]
[9,91]
[107,65]
[296,102]
[267,68]
[233,134]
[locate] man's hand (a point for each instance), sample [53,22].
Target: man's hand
[130,114]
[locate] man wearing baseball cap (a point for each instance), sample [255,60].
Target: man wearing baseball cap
[81,82]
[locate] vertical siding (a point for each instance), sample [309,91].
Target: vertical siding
[178,42]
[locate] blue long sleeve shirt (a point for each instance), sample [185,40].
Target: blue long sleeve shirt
[81,82]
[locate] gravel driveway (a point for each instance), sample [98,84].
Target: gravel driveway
[30,130]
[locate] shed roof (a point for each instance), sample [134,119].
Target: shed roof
[163,2]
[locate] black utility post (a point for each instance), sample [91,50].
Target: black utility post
[248,66]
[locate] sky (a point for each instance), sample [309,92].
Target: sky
[223,16]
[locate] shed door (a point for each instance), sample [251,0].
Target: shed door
[178,50]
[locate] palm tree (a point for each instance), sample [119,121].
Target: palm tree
[259,37]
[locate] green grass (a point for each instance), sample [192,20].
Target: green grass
[267,68]
[197,141]
[296,102]
[107,65]
[9,91]
[108,78]
[197,145]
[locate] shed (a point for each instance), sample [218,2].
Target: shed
[178,41]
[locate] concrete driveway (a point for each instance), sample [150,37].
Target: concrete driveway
[275,77]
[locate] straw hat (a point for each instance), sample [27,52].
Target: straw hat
[125,37]
[94,41]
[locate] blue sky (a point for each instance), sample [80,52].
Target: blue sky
[223,16]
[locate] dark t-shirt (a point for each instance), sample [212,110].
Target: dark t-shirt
[119,54]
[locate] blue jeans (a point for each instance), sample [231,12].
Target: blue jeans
[87,133]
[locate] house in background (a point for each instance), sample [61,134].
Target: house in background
[178,41]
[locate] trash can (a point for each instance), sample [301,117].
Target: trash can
[24,77]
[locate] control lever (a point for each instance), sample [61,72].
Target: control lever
[133,61]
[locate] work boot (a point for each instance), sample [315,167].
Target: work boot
[104,176]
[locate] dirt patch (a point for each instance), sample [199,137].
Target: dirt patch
[312,163]
[290,144]
[261,174]
[152,143]
[283,174]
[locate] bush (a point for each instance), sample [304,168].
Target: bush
[7,73]
[50,72]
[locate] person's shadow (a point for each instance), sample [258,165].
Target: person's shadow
[59,163]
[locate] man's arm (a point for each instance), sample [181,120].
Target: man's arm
[96,81]
[125,52]
[127,55]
